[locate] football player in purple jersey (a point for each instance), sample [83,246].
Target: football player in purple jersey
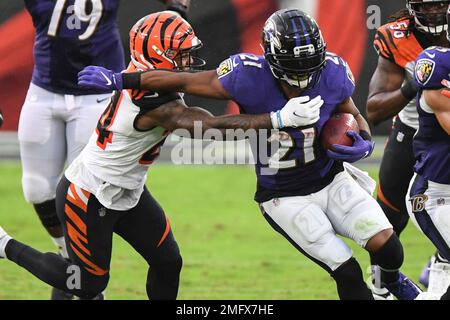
[309,198]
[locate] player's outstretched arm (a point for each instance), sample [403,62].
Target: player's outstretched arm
[205,83]
[176,115]
[440,104]
[297,112]
[387,95]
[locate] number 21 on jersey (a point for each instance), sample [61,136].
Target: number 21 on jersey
[281,159]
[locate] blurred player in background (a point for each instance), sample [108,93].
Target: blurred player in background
[309,198]
[428,198]
[103,190]
[58,117]
[392,93]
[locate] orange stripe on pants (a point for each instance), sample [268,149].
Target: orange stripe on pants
[75,237]
[166,232]
[76,219]
[384,200]
[93,268]
[76,200]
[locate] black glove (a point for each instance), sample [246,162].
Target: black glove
[180,6]
[409,88]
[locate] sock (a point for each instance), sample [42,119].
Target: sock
[3,242]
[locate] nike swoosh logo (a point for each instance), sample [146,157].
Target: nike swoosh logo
[155,95]
[101,100]
[295,114]
[431,55]
[235,64]
[108,82]
[366,154]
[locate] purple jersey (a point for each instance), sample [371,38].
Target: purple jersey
[70,35]
[301,164]
[432,143]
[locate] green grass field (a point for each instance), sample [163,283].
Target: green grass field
[229,250]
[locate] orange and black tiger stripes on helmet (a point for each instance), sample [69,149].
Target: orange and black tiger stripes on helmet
[157,39]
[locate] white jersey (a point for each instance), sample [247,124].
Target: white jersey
[114,164]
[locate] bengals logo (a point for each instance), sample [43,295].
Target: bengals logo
[418,203]
[424,70]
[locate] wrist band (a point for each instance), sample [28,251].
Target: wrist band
[280,122]
[275,118]
[408,91]
[131,80]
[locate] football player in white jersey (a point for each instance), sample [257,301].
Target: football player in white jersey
[69,35]
[103,190]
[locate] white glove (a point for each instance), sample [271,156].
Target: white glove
[298,112]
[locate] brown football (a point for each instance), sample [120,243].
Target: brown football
[335,130]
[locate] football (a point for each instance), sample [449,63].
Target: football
[335,130]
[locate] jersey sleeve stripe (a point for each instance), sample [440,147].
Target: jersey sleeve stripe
[383,48]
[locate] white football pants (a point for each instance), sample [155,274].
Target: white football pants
[53,129]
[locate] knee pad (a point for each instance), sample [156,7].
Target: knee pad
[390,257]
[319,238]
[345,194]
[46,212]
[37,188]
[312,224]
